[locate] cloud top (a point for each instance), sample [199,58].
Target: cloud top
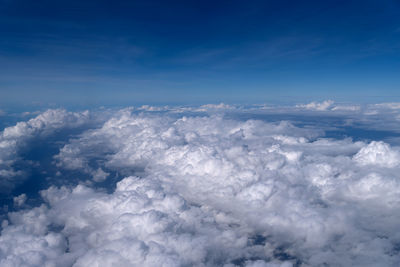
[208,190]
[15,138]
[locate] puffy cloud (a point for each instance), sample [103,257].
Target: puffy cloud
[99,175]
[141,223]
[212,191]
[378,153]
[44,123]
[15,138]
[20,200]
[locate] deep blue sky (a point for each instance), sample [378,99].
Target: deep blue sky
[132,52]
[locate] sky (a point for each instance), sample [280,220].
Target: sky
[93,53]
[199,133]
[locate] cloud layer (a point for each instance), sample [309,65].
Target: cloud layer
[205,190]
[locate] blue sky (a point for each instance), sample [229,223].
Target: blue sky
[89,53]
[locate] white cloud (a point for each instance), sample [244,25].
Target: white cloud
[346,108]
[152,108]
[14,138]
[99,175]
[141,223]
[325,105]
[329,105]
[378,153]
[392,105]
[212,191]
[216,106]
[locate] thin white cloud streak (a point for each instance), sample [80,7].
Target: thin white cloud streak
[325,105]
[210,191]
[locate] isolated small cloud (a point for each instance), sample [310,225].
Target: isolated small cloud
[99,175]
[20,200]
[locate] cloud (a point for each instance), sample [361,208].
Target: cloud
[378,153]
[141,223]
[152,108]
[329,105]
[216,106]
[325,105]
[15,138]
[20,200]
[393,105]
[212,191]
[346,108]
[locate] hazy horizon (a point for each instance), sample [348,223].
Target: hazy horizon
[189,52]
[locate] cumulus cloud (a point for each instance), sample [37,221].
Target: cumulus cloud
[212,191]
[378,153]
[15,138]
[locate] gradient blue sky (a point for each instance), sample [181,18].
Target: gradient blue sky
[89,53]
